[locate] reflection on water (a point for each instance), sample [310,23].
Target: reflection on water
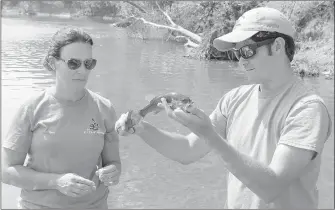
[127,71]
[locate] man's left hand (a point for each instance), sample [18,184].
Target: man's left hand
[196,120]
[109,175]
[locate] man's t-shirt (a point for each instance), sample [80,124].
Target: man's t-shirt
[63,137]
[256,122]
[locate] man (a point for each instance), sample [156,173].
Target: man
[270,134]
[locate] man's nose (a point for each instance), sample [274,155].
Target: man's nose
[82,69]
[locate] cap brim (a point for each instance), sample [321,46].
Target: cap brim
[227,41]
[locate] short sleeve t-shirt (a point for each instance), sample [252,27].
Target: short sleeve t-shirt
[61,137]
[255,123]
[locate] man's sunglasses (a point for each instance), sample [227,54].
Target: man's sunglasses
[74,63]
[249,50]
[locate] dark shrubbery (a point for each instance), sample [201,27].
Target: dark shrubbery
[313,20]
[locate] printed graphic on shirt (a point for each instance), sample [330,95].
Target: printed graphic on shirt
[93,128]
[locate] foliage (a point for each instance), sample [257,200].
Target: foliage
[309,17]
[218,20]
[313,20]
[96,8]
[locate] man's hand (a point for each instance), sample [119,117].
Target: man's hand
[74,185]
[196,120]
[122,125]
[109,175]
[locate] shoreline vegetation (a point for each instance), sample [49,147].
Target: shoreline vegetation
[195,24]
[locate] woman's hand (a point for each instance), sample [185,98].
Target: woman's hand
[74,185]
[196,120]
[109,175]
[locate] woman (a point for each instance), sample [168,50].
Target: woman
[67,134]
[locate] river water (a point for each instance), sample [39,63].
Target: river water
[127,71]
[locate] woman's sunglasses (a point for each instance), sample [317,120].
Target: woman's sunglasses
[74,63]
[248,51]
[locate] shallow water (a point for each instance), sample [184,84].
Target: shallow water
[127,71]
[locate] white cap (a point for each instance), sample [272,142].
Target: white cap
[253,21]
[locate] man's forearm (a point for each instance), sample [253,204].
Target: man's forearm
[172,145]
[258,177]
[29,179]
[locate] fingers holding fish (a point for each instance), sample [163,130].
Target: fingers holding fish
[189,116]
[181,109]
[168,109]
[192,109]
[128,123]
[131,121]
[120,124]
[172,112]
[134,122]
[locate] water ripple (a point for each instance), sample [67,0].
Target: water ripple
[128,70]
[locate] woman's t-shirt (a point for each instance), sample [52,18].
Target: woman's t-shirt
[61,137]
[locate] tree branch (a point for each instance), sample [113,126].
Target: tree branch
[135,5]
[189,43]
[155,24]
[174,27]
[166,15]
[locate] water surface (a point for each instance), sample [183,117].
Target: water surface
[127,71]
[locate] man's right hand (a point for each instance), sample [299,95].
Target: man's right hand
[74,185]
[123,130]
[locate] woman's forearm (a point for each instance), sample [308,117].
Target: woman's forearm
[29,179]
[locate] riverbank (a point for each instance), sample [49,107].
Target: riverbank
[314,56]
[14,13]
[315,53]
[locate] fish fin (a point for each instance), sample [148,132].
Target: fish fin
[149,97]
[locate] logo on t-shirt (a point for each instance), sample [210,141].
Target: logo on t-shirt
[93,128]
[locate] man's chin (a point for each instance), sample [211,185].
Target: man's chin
[254,80]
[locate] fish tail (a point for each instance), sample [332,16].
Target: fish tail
[144,111]
[129,121]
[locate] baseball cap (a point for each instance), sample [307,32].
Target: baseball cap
[253,21]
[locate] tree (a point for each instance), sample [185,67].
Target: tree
[208,20]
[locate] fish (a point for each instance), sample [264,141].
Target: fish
[173,99]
